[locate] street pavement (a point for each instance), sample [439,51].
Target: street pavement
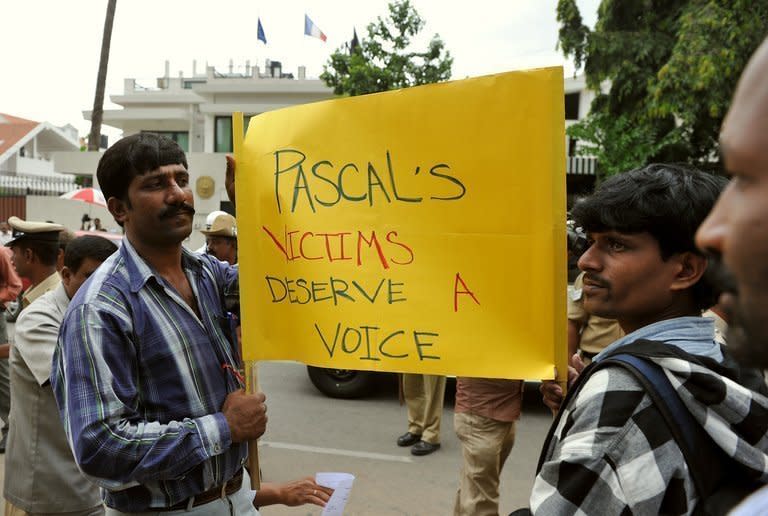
[308,433]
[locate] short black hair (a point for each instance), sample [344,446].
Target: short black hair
[667,201]
[135,155]
[88,246]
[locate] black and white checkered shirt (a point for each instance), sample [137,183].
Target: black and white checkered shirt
[612,453]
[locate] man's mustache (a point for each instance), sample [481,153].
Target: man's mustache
[594,279]
[719,275]
[172,211]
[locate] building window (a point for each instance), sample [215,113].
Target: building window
[180,137]
[223,133]
[571,146]
[572,106]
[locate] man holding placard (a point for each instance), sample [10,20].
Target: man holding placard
[146,371]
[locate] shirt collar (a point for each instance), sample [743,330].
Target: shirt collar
[41,288]
[695,335]
[139,271]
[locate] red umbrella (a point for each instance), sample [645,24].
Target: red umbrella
[89,195]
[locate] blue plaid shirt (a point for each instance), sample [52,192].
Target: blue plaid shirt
[139,381]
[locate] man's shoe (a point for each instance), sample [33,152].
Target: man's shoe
[424,448]
[408,439]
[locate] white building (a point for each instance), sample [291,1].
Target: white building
[26,151]
[196,111]
[581,170]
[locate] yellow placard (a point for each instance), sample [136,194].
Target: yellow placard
[418,230]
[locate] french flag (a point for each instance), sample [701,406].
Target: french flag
[310,29]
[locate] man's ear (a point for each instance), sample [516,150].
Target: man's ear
[66,275]
[691,269]
[29,255]
[118,209]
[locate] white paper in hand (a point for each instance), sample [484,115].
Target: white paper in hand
[341,483]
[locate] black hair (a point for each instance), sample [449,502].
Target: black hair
[88,246]
[135,155]
[667,201]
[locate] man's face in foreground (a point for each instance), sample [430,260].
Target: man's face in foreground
[160,207]
[627,279]
[737,228]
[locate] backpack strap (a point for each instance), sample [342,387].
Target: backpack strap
[701,454]
[572,392]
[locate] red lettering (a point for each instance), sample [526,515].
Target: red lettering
[297,245]
[340,237]
[301,247]
[410,251]
[289,240]
[360,239]
[276,241]
[456,292]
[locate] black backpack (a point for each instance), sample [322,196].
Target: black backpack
[719,489]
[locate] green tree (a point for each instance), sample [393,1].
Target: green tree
[670,68]
[384,60]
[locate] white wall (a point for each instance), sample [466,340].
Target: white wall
[33,166]
[65,212]
[80,163]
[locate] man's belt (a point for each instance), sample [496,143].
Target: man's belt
[229,487]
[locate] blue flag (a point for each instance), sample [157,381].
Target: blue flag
[260,32]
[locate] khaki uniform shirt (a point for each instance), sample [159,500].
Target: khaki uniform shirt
[41,288]
[597,332]
[41,474]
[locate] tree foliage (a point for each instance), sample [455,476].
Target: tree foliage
[384,61]
[670,68]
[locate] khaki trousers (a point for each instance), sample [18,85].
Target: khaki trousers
[485,445]
[424,395]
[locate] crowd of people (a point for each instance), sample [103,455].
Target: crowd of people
[137,349]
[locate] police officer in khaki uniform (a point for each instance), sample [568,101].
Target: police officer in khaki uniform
[424,394]
[35,247]
[221,238]
[51,483]
[588,334]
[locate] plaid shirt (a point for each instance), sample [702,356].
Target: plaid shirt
[139,381]
[611,452]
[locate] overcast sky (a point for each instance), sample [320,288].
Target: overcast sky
[51,48]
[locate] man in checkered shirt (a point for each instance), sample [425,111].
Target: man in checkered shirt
[610,451]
